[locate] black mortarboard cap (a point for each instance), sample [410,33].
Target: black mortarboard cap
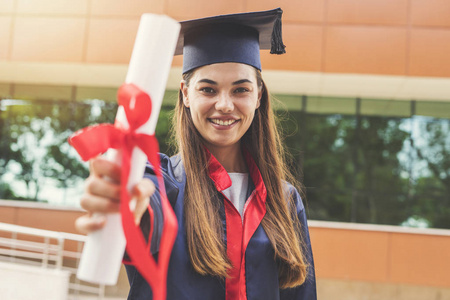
[230,38]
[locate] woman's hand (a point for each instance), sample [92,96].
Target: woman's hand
[102,195]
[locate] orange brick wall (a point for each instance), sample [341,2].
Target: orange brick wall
[381,256]
[353,252]
[42,218]
[390,37]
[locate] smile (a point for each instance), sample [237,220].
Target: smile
[223,122]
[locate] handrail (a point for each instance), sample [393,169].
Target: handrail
[49,252]
[41,232]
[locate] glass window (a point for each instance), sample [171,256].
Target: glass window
[385,162]
[36,162]
[360,160]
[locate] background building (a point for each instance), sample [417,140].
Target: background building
[364,99]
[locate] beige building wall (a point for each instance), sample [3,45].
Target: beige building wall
[390,49]
[401,37]
[398,49]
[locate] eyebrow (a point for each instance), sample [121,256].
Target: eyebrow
[208,81]
[241,81]
[204,80]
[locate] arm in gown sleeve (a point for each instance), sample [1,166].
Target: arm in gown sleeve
[154,224]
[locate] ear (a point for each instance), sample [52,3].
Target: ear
[184,90]
[260,92]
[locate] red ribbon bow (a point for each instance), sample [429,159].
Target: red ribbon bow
[94,140]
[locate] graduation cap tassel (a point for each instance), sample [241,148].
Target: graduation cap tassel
[277,46]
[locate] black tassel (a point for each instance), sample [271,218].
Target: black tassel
[277,46]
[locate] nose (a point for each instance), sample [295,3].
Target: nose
[224,103]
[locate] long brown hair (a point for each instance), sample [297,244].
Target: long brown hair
[204,229]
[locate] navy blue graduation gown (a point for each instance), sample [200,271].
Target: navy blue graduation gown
[255,274]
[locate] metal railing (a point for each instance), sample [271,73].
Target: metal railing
[47,249]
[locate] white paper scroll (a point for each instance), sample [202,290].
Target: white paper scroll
[149,69]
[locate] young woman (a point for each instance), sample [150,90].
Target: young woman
[242,226]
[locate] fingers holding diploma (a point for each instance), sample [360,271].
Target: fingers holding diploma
[102,187]
[102,195]
[89,223]
[141,193]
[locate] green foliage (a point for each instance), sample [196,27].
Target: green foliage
[352,169]
[432,189]
[34,147]
[367,169]
[162,131]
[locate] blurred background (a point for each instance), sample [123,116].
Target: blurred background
[362,95]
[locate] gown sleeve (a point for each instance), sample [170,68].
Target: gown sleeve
[139,288]
[306,291]
[152,225]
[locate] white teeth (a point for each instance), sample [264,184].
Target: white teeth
[222,122]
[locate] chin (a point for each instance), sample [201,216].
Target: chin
[221,143]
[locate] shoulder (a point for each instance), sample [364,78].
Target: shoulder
[171,167]
[173,174]
[294,195]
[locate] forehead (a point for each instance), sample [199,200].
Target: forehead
[225,72]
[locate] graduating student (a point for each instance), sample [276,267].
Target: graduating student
[242,232]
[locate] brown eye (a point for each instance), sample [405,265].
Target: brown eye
[207,90]
[241,90]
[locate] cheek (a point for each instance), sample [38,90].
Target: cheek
[198,111]
[251,117]
[249,108]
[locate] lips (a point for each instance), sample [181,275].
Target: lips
[221,122]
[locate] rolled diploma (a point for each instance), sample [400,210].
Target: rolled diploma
[149,69]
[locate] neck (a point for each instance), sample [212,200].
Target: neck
[231,158]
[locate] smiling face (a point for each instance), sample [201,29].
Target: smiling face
[222,99]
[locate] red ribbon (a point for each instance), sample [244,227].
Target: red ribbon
[94,140]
